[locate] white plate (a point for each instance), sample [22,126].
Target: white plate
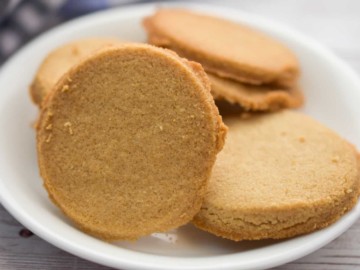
[332,90]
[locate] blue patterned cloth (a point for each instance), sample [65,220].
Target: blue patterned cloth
[22,20]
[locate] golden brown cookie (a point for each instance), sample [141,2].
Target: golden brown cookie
[60,60]
[254,97]
[127,139]
[279,175]
[224,48]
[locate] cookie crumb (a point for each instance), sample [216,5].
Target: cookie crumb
[48,117]
[48,139]
[335,159]
[49,127]
[65,88]
[68,125]
[349,190]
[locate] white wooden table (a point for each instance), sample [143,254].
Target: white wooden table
[334,23]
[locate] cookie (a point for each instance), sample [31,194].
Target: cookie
[279,175]
[127,140]
[253,97]
[224,48]
[60,60]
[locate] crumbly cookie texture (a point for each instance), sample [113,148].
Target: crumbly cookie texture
[60,60]
[225,48]
[278,176]
[253,97]
[127,140]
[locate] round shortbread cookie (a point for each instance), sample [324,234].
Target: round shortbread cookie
[255,97]
[224,48]
[60,60]
[279,175]
[127,139]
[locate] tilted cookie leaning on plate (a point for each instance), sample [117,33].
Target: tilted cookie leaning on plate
[128,135]
[127,139]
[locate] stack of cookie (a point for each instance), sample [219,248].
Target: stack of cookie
[245,67]
[270,180]
[129,134]
[279,175]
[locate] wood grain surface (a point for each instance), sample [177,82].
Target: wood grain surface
[334,23]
